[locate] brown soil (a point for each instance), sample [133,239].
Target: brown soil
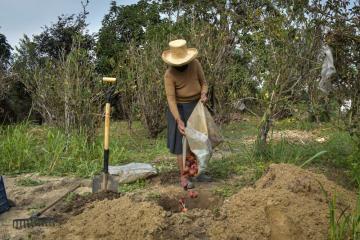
[78,203]
[30,199]
[170,177]
[205,200]
[286,203]
[293,136]
[113,219]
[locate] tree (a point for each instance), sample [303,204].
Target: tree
[280,55]
[5,52]
[58,38]
[56,68]
[65,91]
[122,25]
[343,37]
[5,79]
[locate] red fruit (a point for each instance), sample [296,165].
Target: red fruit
[182,204]
[191,158]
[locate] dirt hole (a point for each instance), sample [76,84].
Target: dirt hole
[204,200]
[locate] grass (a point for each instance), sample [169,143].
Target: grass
[29,148]
[347,225]
[338,152]
[343,224]
[36,208]
[153,196]
[70,197]
[29,182]
[224,191]
[32,148]
[131,187]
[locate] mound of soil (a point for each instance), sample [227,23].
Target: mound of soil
[65,209]
[112,219]
[286,203]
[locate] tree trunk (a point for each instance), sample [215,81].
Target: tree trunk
[265,123]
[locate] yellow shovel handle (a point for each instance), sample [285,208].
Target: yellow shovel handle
[107,126]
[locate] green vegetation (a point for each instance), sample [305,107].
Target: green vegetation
[264,55]
[47,150]
[36,208]
[347,225]
[44,149]
[343,223]
[130,187]
[338,151]
[70,197]
[153,196]
[29,182]
[225,191]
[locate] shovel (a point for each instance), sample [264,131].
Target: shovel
[105,181]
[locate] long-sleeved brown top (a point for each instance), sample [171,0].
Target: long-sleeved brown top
[184,87]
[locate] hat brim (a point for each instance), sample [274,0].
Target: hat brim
[175,61]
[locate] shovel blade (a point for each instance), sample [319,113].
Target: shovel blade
[104,182]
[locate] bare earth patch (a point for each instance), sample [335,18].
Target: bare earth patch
[294,136]
[31,193]
[286,203]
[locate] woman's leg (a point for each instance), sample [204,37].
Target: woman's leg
[180,163]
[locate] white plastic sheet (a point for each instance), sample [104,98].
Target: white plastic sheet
[132,171]
[327,70]
[202,135]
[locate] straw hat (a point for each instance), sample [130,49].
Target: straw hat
[179,54]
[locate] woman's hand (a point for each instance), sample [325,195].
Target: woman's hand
[203,98]
[181,126]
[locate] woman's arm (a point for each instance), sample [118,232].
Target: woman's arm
[171,96]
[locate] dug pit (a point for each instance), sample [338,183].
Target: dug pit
[205,200]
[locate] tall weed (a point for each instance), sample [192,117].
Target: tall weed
[347,225]
[49,150]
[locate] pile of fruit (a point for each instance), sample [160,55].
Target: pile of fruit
[191,166]
[191,169]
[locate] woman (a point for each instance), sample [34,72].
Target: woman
[185,85]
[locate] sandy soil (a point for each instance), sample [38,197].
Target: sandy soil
[286,203]
[293,136]
[30,199]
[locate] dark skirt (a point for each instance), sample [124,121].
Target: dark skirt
[174,137]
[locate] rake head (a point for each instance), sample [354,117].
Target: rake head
[33,221]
